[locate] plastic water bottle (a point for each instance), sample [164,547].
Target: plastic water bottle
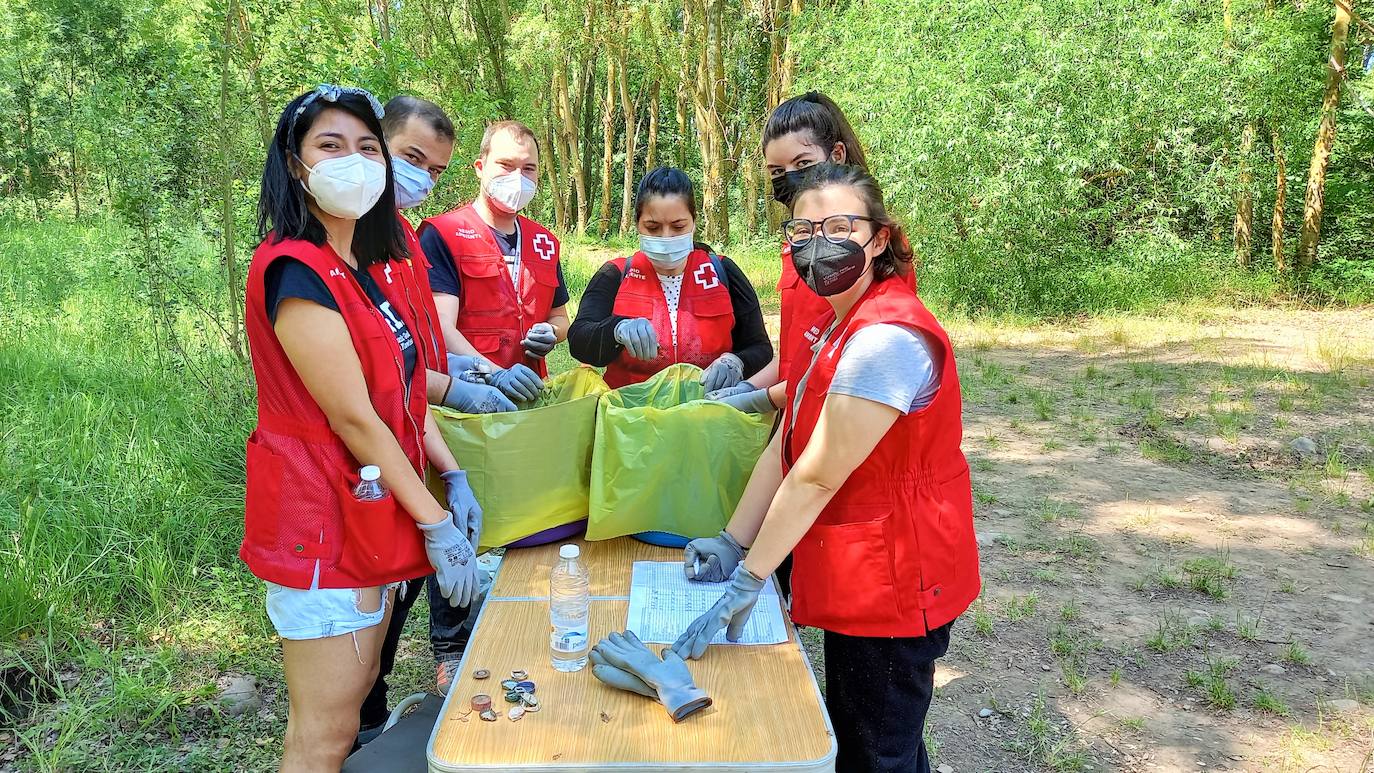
[569,604]
[370,488]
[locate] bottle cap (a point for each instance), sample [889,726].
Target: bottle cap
[370,472]
[569,551]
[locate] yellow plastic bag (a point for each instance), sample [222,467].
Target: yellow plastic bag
[528,468]
[666,460]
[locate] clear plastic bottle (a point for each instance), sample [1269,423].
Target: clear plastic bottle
[370,488]
[569,604]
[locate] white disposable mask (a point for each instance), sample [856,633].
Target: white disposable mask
[511,191]
[346,187]
[413,184]
[667,252]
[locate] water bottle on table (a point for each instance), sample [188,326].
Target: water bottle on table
[569,605]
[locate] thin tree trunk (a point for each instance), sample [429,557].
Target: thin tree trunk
[1280,202]
[573,148]
[1326,139]
[231,274]
[651,150]
[71,139]
[586,96]
[1245,203]
[608,116]
[629,109]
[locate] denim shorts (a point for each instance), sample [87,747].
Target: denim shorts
[318,613]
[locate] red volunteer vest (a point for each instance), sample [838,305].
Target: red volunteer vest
[430,335]
[893,553]
[491,315]
[705,317]
[299,502]
[800,308]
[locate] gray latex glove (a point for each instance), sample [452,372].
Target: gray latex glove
[540,340]
[638,337]
[459,363]
[756,401]
[726,371]
[716,556]
[617,678]
[730,613]
[738,389]
[463,504]
[468,397]
[669,677]
[517,382]
[453,559]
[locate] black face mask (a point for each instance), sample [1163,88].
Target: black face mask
[785,186]
[829,268]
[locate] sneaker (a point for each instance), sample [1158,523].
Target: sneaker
[445,670]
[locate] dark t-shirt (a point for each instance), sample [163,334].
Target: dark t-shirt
[290,278]
[443,278]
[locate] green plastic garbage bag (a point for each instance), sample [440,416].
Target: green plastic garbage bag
[665,460]
[528,468]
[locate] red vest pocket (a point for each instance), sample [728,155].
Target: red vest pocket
[715,321]
[486,343]
[944,532]
[481,289]
[262,498]
[842,575]
[369,532]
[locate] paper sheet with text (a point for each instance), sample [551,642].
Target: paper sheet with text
[663,602]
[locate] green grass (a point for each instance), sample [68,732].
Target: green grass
[1211,575]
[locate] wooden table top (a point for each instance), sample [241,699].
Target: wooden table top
[767,713]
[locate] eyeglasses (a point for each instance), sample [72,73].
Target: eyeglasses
[835,228]
[330,92]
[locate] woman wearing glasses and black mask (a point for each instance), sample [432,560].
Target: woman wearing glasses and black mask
[865,484]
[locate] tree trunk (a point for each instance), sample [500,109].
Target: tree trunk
[231,274]
[1326,138]
[586,96]
[608,116]
[548,139]
[573,145]
[629,109]
[71,139]
[1280,202]
[1245,202]
[651,150]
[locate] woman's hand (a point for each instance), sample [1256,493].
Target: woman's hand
[467,514]
[638,337]
[712,559]
[730,613]
[453,559]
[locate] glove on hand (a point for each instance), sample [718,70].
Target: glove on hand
[718,557]
[730,613]
[738,389]
[726,371]
[754,401]
[453,559]
[638,337]
[469,397]
[669,677]
[518,382]
[467,513]
[540,340]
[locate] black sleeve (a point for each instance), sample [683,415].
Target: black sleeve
[290,278]
[560,295]
[591,339]
[443,278]
[749,335]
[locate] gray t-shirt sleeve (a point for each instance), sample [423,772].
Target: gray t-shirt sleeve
[889,364]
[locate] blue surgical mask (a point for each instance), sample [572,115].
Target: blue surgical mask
[667,252]
[413,184]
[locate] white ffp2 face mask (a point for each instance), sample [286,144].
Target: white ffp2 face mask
[511,191]
[667,252]
[348,186]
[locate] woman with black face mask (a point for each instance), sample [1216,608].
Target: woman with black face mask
[802,132]
[865,484]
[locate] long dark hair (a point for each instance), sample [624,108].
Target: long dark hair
[282,210]
[817,115]
[897,257]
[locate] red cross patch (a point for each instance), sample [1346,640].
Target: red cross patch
[543,246]
[705,276]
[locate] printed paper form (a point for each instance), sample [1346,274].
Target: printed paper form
[663,602]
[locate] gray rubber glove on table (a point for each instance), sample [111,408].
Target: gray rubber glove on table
[730,613]
[716,556]
[453,559]
[671,681]
[540,340]
[467,513]
[517,382]
[618,678]
[638,337]
[726,371]
[749,401]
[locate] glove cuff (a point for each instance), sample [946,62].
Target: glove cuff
[745,580]
[447,523]
[682,702]
[732,542]
[454,476]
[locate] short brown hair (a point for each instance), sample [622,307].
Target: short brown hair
[897,259]
[403,107]
[520,130]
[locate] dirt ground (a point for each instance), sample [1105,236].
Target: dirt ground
[1169,584]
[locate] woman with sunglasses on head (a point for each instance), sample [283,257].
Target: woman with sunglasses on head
[333,315]
[865,484]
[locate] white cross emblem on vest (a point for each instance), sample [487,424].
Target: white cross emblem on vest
[705,276]
[543,246]
[387,271]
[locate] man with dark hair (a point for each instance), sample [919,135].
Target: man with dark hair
[496,277]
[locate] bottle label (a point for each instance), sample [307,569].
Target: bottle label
[569,641]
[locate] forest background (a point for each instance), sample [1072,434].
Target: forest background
[1052,161]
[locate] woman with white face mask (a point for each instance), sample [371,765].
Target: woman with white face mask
[337,512]
[672,301]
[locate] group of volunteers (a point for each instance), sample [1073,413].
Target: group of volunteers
[359,321]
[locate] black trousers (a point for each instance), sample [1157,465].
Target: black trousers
[877,691]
